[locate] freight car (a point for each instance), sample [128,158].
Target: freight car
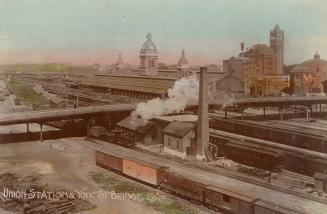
[245,151]
[312,164]
[107,161]
[136,169]
[283,135]
[142,171]
[262,207]
[227,201]
[217,198]
[268,155]
[182,187]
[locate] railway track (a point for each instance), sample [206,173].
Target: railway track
[233,174]
[199,166]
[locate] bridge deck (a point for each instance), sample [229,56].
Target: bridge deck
[35,116]
[55,114]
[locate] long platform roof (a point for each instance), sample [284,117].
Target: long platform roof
[153,85]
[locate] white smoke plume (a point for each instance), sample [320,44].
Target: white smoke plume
[184,92]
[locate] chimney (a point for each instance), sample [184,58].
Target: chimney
[203,121]
[242,46]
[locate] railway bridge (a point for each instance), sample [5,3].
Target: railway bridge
[82,112]
[88,112]
[41,117]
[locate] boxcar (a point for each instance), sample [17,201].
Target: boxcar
[262,207]
[263,132]
[267,159]
[228,201]
[108,161]
[182,187]
[314,164]
[145,172]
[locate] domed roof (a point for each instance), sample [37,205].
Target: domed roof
[148,45]
[310,66]
[182,61]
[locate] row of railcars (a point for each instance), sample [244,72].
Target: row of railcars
[266,154]
[214,197]
[283,135]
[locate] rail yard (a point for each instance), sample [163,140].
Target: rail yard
[235,124]
[251,163]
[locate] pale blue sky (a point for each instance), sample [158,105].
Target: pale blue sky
[209,30]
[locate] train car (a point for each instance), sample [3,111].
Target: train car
[311,165]
[217,123]
[292,161]
[247,153]
[107,161]
[296,139]
[145,172]
[263,132]
[262,207]
[182,187]
[279,134]
[227,201]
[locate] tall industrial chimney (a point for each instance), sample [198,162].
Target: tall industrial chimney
[203,121]
[242,46]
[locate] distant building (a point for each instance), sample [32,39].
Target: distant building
[277,46]
[119,64]
[261,66]
[183,68]
[236,66]
[310,76]
[259,60]
[149,57]
[220,85]
[270,85]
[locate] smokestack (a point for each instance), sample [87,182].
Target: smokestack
[242,46]
[203,121]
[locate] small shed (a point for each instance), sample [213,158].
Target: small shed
[161,122]
[178,137]
[137,130]
[320,181]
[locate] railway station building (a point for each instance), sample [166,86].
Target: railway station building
[260,66]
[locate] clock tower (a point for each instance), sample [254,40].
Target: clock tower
[277,46]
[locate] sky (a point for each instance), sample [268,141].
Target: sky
[90,31]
